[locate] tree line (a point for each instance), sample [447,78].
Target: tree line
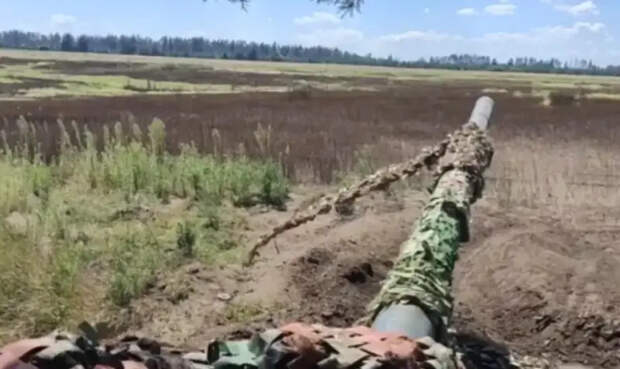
[199,47]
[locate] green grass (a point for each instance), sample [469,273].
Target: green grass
[108,85]
[603,96]
[243,312]
[86,233]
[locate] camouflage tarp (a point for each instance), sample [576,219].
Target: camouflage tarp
[295,346]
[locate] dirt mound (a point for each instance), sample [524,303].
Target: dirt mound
[336,281]
[541,287]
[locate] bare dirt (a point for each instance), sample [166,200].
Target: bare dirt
[540,287]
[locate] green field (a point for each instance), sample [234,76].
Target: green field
[40,66]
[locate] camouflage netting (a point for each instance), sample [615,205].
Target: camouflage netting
[438,158]
[380,181]
[295,346]
[422,275]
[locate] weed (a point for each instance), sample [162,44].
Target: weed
[186,238]
[211,216]
[559,98]
[263,139]
[300,91]
[274,186]
[136,258]
[157,137]
[243,313]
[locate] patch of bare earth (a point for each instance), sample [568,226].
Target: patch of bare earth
[541,286]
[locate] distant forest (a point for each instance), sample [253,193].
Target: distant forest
[198,47]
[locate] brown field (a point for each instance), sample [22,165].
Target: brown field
[541,273]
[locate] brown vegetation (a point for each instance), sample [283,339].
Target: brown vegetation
[319,134]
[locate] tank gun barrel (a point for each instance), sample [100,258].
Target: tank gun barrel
[481,114]
[415,299]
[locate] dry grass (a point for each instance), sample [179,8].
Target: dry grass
[559,178]
[603,96]
[549,81]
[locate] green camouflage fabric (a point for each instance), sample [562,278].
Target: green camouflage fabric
[299,346]
[422,274]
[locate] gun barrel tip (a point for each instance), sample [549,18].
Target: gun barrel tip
[481,114]
[486,98]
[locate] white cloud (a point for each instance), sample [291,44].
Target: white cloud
[586,7]
[501,8]
[336,37]
[548,34]
[62,19]
[420,36]
[564,42]
[467,11]
[318,18]
[577,28]
[427,11]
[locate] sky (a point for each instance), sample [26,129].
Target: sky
[405,29]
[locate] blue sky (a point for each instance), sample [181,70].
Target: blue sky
[406,29]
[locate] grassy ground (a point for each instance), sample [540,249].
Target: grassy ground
[112,84]
[303,68]
[108,85]
[85,234]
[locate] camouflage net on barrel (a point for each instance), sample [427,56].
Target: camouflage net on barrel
[422,275]
[379,181]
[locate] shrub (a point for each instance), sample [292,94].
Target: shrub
[562,98]
[136,258]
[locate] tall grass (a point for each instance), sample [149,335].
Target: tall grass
[561,177]
[67,253]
